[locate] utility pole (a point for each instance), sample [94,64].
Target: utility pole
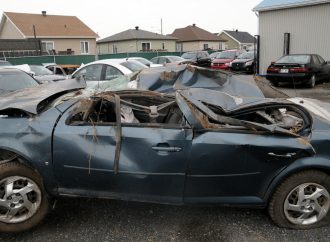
[161,26]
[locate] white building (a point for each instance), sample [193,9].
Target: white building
[305,24]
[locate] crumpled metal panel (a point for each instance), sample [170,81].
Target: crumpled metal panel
[171,78]
[28,99]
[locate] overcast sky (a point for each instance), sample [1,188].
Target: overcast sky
[108,17]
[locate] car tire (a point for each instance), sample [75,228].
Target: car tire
[23,200]
[312,81]
[302,201]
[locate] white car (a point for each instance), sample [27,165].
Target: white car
[100,72]
[144,61]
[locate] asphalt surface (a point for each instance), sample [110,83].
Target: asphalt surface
[75,219]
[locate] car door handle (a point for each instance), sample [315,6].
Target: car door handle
[166,149]
[287,155]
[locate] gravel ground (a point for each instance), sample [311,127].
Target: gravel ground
[76,219]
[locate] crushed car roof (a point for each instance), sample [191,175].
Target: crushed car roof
[176,77]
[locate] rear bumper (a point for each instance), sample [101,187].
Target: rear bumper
[289,78]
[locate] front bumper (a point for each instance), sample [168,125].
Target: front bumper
[241,67]
[220,66]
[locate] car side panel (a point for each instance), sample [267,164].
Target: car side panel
[31,138]
[237,167]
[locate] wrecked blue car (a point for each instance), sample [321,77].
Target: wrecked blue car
[196,146]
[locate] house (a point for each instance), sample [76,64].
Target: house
[135,40]
[292,27]
[59,34]
[192,38]
[237,39]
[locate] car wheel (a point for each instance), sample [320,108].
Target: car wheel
[302,201]
[23,200]
[311,83]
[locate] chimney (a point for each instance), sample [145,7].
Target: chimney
[194,25]
[136,27]
[43,13]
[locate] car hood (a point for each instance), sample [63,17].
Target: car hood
[222,60]
[29,99]
[49,78]
[170,78]
[241,60]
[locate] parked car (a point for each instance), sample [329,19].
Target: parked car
[299,68]
[98,72]
[214,54]
[245,62]
[4,63]
[61,69]
[224,58]
[144,61]
[39,72]
[14,79]
[199,146]
[167,59]
[198,58]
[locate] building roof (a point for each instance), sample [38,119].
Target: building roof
[135,34]
[54,26]
[267,5]
[239,36]
[194,33]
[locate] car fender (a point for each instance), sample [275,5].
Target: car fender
[307,163]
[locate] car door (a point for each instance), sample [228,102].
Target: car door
[91,73]
[227,166]
[317,68]
[153,161]
[93,153]
[325,68]
[84,150]
[110,73]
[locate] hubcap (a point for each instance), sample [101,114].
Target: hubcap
[306,204]
[20,198]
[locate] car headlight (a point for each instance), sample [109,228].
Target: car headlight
[249,63]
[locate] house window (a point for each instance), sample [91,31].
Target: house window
[47,46]
[206,46]
[84,47]
[179,47]
[146,46]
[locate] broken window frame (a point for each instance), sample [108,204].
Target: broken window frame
[87,110]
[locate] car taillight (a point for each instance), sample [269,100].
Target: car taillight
[299,69]
[273,69]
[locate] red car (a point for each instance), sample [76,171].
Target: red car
[223,59]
